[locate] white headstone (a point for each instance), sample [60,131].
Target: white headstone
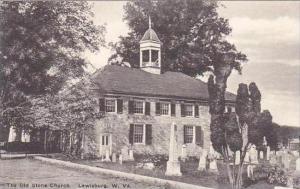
[114,158]
[124,152]
[106,155]
[273,159]
[202,160]
[247,159]
[261,155]
[12,134]
[183,153]
[298,164]
[253,155]
[25,137]
[131,158]
[286,160]
[237,157]
[120,159]
[173,165]
[213,165]
[268,153]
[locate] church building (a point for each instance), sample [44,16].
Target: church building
[140,104]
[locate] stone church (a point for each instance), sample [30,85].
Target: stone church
[140,104]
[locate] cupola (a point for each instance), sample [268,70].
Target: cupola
[150,51]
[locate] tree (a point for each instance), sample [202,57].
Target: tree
[192,34]
[237,131]
[41,48]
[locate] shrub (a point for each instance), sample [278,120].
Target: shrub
[28,147]
[277,176]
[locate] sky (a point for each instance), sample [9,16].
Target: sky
[268,32]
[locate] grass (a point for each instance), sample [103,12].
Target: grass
[190,174]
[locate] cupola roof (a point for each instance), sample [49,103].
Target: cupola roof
[150,34]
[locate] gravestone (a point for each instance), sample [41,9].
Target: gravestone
[131,158]
[213,166]
[120,159]
[268,153]
[286,160]
[107,159]
[237,157]
[261,154]
[202,160]
[253,155]
[247,159]
[253,161]
[298,164]
[114,158]
[183,153]
[213,155]
[173,165]
[273,160]
[124,152]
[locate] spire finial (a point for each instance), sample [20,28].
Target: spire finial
[149,22]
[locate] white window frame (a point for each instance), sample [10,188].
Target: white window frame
[193,110]
[143,137]
[232,109]
[169,108]
[115,105]
[134,107]
[194,134]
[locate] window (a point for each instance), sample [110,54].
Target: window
[104,140]
[164,108]
[188,110]
[188,134]
[146,55]
[110,105]
[138,133]
[154,57]
[138,107]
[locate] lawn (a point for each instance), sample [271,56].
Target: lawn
[190,174]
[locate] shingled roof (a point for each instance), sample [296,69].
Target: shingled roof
[133,81]
[150,35]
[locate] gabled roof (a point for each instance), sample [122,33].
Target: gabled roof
[133,81]
[150,35]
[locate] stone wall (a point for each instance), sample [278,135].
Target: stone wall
[118,126]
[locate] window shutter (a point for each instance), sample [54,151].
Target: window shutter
[182,110]
[102,140]
[130,138]
[102,105]
[106,138]
[130,106]
[173,109]
[157,107]
[199,136]
[148,134]
[184,134]
[196,110]
[147,108]
[119,106]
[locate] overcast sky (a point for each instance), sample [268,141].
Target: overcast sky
[268,32]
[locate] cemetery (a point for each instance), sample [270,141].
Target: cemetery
[262,168]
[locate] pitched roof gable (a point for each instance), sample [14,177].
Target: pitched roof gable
[125,80]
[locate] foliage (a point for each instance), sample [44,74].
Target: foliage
[236,131]
[191,31]
[277,176]
[40,50]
